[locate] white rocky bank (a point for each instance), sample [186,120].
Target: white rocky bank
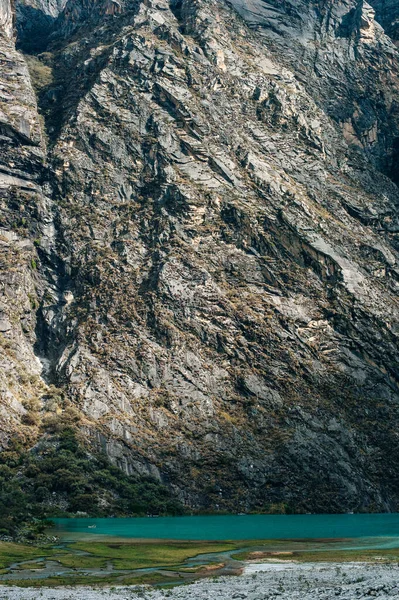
[260,582]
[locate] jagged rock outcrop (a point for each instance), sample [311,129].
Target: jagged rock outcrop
[223,272]
[35,23]
[346,61]
[387,13]
[23,210]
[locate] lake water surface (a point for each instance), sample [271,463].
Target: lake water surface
[385,527]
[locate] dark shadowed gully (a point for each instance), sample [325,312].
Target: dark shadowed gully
[199,248]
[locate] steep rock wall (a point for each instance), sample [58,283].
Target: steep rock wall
[23,216]
[35,21]
[387,13]
[224,311]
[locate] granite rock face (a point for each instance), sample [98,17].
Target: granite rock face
[216,268]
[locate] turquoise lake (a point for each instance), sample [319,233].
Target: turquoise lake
[236,527]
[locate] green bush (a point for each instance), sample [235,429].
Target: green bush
[41,74]
[60,470]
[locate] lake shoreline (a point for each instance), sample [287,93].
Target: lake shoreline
[287,581]
[180,550]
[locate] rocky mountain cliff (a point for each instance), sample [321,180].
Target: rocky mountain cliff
[35,20]
[387,13]
[199,236]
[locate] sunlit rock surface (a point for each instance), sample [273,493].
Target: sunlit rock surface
[6,18]
[215,246]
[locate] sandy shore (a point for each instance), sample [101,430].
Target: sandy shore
[280,581]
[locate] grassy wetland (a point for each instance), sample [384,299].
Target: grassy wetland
[119,562]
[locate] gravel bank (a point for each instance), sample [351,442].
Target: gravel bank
[259,582]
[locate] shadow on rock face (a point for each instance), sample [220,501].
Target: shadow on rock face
[33,29]
[393,169]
